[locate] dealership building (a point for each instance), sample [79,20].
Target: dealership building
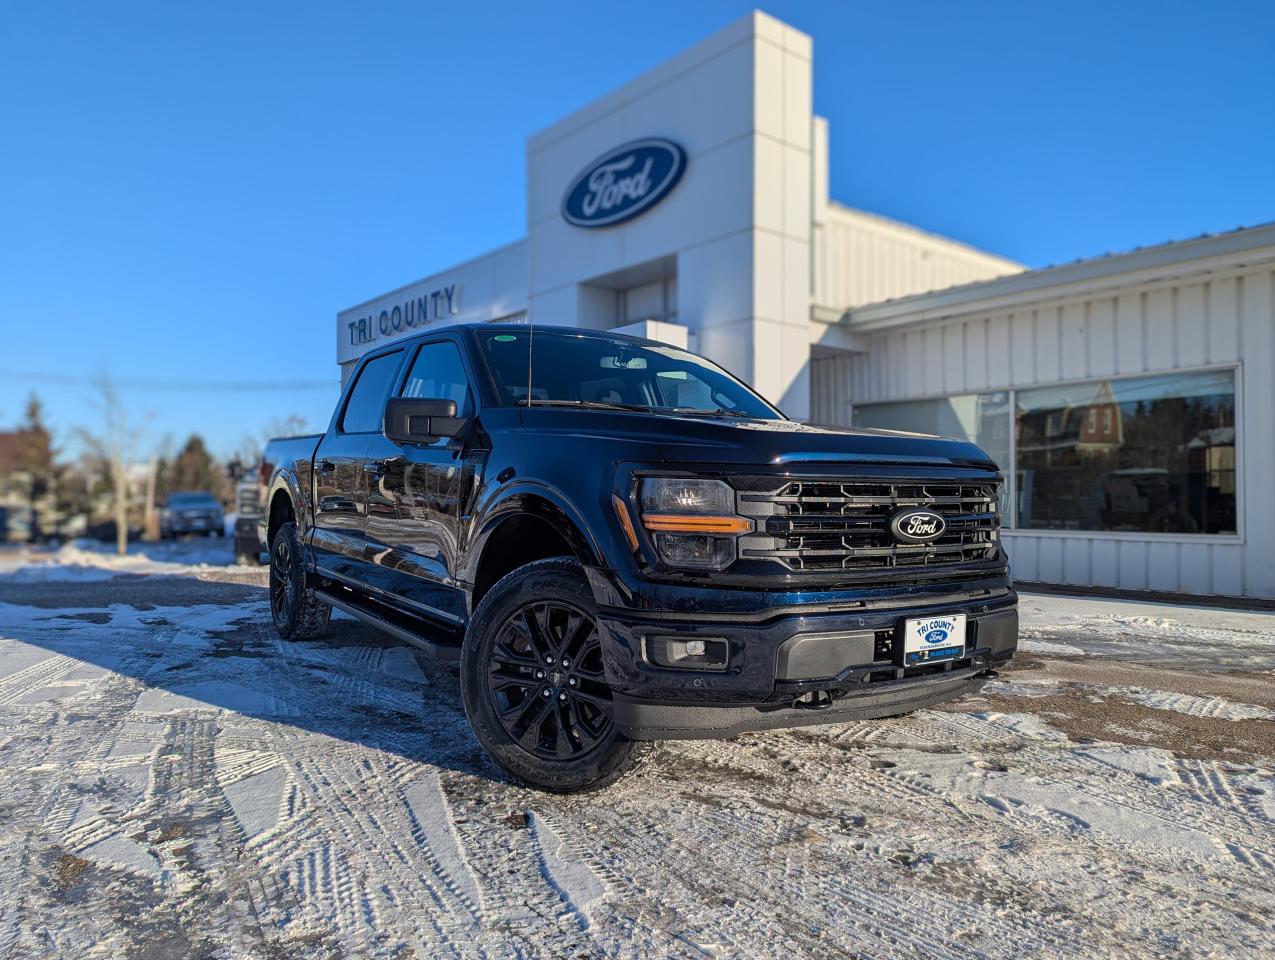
[1129,398]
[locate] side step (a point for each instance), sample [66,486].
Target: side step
[444,651]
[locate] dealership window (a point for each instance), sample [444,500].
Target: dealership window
[982,418]
[1154,454]
[1140,454]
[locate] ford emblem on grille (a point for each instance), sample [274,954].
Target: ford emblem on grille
[917,526]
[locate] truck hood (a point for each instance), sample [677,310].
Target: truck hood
[692,439]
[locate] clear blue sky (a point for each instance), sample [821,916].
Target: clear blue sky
[193,191]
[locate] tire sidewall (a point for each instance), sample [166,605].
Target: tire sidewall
[285,620]
[557,579]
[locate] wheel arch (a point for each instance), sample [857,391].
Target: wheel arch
[525,527]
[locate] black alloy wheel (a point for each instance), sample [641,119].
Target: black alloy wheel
[547,683]
[534,684]
[297,613]
[282,583]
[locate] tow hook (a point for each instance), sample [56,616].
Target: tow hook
[814,700]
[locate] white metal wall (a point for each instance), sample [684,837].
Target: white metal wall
[863,258]
[1215,319]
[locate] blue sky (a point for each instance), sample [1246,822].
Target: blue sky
[191,192]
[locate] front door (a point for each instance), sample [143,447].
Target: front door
[418,493]
[339,538]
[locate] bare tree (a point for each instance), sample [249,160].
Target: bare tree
[114,449]
[250,447]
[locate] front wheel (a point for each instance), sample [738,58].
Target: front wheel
[297,613]
[533,682]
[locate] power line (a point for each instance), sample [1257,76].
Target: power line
[188,386]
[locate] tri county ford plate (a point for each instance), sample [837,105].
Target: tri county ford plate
[934,638]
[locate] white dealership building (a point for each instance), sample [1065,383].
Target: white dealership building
[1129,398]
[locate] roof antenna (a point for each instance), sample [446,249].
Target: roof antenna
[531,335]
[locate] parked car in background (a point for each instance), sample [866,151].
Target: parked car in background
[18,524]
[620,541]
[247,512]
[195,512]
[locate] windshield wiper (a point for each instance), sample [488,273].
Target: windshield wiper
[586,404]
[695,411]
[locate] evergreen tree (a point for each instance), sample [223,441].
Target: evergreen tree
[193,469]
[36,456]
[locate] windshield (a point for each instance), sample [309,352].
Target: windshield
[590,371]
[191,500]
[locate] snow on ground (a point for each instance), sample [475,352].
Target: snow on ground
[175,781]
[89,561]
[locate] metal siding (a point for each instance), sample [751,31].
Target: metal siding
[953,358]
[1223,321]
[1104,561]
[1101,347]
[1130,343]
[998,368]
[975,334]
[1074,347]
[1258,349]
[1022,341]
[1076,560]
[1160,334]
[1133,564]
[1048,363]
[861,258]
[1189,324]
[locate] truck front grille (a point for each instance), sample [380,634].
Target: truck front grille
[839,525]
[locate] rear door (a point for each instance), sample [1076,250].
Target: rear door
[339,539]
[418,492]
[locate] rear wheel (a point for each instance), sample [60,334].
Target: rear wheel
[297,613]
[534,686]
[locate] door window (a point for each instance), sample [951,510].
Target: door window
[438,374]
[365,410]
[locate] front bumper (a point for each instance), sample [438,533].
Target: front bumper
[795,658]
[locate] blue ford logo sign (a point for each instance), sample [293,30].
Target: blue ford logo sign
[623,183]
[917,526]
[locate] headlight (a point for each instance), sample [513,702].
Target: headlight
[692,522]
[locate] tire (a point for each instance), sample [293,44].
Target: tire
[297,614]
[557,731]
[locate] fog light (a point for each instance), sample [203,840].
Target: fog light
[711,653]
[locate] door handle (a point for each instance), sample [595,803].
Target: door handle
[325,466]
[374,468]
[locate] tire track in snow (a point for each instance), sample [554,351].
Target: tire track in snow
[580,887]
[436,832]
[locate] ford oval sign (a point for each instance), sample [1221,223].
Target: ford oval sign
[917,526]
[623,183]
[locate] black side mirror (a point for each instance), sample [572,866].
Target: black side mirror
[409,420]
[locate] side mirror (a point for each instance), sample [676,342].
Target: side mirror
[409,420]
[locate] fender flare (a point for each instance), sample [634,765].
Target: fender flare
[531,498]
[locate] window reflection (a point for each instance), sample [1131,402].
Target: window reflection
[1149,454]
[1142,454]
[981,418]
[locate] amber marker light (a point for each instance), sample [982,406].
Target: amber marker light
[685,523]
[626,524]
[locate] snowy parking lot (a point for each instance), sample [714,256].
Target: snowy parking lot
[176,782]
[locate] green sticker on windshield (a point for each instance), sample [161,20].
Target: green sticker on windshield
[506,338]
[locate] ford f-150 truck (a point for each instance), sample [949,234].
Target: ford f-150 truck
[621,542]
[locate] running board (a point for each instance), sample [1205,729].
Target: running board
[444,651]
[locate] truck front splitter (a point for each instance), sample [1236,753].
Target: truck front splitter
[641,720]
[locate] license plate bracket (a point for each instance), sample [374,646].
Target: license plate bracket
[933,639]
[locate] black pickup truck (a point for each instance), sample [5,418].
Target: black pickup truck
[622,542]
